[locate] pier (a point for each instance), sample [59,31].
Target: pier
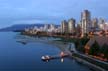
[60,56]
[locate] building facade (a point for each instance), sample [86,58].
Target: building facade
[85,22]
[46,27]
[64,27]
[101,24]
[95,23]
[71,25]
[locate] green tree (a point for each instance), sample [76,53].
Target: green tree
[94,49]
[84,40]
[104,50]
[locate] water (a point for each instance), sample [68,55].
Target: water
[15,56]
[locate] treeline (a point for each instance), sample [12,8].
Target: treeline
[80,44]
[95,49]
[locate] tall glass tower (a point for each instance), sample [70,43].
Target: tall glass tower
[86,22]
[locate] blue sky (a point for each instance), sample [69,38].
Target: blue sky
[48,11]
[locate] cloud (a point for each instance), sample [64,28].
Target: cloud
[28,21]
[39,11]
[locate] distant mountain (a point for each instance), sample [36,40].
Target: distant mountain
[21,27]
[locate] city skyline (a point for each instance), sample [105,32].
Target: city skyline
[54,35]
[33,11]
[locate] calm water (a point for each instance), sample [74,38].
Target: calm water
[15,56]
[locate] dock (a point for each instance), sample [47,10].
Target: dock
[60,56]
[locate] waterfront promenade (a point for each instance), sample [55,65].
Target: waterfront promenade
[82,58]
[63,46]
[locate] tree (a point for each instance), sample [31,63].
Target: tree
[84,40]
[79,46]
[94,49]
[104,50]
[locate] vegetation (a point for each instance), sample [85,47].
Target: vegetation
[98,63]
[80,43]
[94,49]
[84,40]
[104,50]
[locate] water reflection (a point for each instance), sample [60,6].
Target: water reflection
[23,39]
[22,42]
[16,57]
[62,60]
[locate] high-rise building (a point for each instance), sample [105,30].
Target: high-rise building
[85,22]
[64,27]
[78,28]
[71,25]
[101,23]
[95,23]
[46,27]
[52,27]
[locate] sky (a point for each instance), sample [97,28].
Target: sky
[48,11]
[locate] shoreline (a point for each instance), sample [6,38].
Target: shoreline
[63,47]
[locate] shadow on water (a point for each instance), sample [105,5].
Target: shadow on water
[22,42]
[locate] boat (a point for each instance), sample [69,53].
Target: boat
[46,58]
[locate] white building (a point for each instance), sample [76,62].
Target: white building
[64,27]
[103,26]
[85,22]
[46,27]
[71,26]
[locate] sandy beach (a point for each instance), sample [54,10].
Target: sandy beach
[61,45]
